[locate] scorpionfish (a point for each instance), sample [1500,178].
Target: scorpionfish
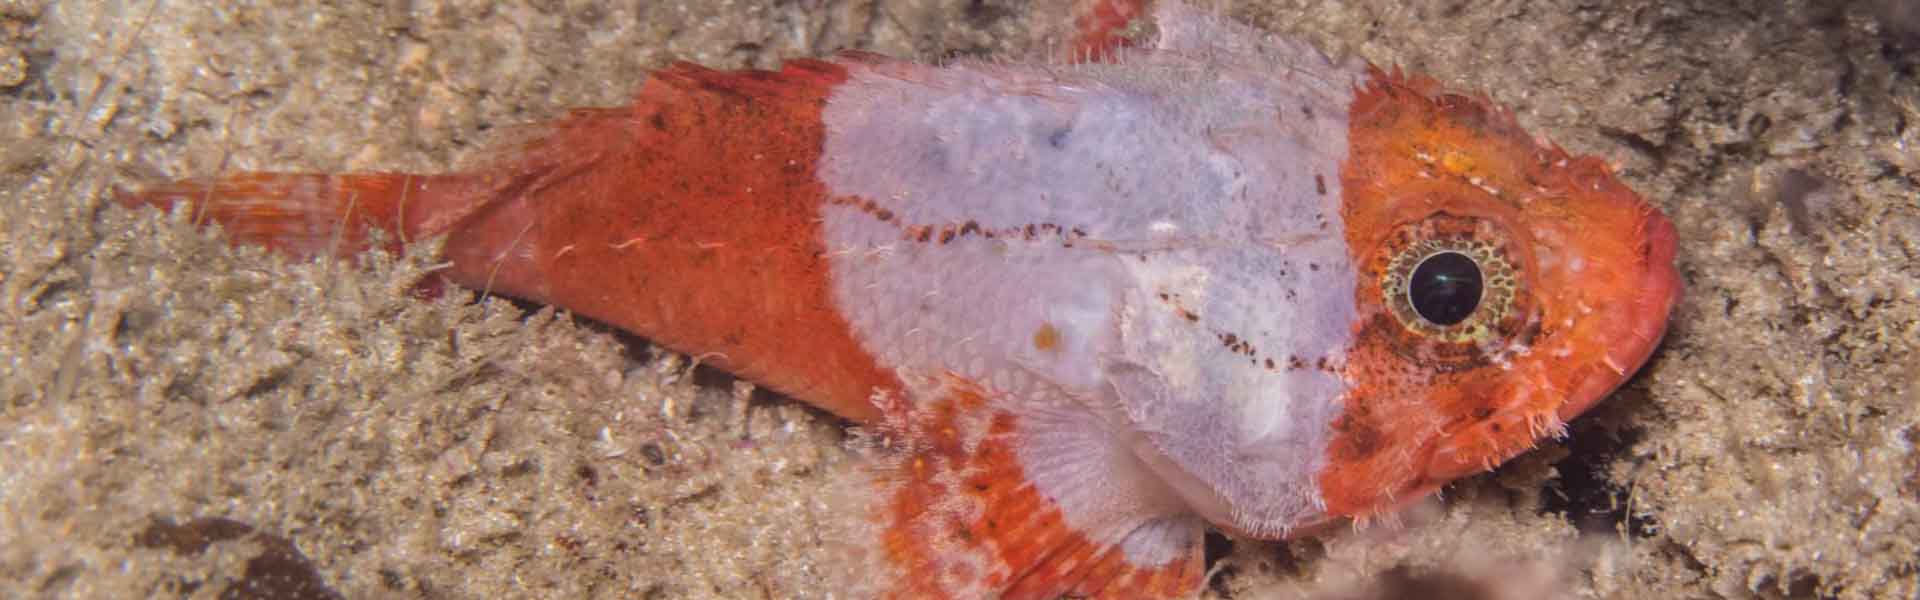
[1202,276]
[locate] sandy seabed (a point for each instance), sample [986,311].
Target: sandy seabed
[178,418]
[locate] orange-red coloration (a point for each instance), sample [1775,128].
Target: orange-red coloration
[691,217]
[277,211]
[990,527]
[1417,153]
[1101,25]
[698,227]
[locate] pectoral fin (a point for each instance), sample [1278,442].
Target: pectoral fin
[986,502]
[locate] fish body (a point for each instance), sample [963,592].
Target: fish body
[1214,279]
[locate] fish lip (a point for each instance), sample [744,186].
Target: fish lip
[1659,291]
[1633,336]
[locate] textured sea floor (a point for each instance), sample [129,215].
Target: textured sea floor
[178,418]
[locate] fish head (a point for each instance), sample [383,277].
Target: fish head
[1502,287]
[1476,289]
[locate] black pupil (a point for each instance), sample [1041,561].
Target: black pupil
[1445,288]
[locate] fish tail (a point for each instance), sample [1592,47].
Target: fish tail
[306,215]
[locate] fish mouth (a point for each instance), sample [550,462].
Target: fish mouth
[1547,392]
[1634,336]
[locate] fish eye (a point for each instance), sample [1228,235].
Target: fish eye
[1445,288]
[1450,279]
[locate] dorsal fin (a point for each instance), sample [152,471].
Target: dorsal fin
[1103,27]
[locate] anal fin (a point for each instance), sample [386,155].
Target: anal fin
[964,517]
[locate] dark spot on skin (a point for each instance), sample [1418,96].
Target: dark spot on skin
[946,236]
[883,214]
[1236,345]
[925,235]
[1269,364]
[1481,413]
[970,227]
[1362,439]
[1058,139]
[1306,110]
[1320,184]
[658,121]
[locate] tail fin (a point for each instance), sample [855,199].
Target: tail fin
[306,215]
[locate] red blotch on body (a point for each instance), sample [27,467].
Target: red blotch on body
[690,217]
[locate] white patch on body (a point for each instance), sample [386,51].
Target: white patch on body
[1188,288]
